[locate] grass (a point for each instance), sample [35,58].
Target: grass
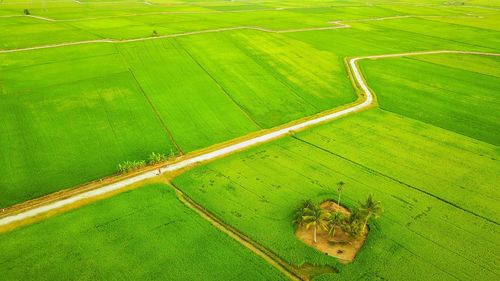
[59,135]
[195,91]
[441,230]
[272,78]
[441,90]
[70,115]
[183,100]
[144,234]
[195,108]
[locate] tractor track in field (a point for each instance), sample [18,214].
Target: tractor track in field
[9,220]
[335,24]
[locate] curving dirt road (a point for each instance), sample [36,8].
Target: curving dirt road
[366,100]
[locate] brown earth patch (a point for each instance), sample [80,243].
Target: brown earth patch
[341,246]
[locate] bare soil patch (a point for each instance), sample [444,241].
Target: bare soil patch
[341,246]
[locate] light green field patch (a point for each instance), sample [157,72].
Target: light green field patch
[318,77]
[196,109]
[269,100]
[40,33]
[455,94]
[367,38]
[487,22]
[238,7]
[19,60]
[440,30]
[273,82]
[62,72]
[146,234]
[487,65]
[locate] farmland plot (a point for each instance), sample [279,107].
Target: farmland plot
[455,92]
[256,191]
[144,234]
[196,109]
[64,125]
[173,97]
[70,114]
[272,78]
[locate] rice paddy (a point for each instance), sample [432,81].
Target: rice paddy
[87,85]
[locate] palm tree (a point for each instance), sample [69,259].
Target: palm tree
[334,220]
[370,208]
[298,219]
[352,224]
[315,217]
[340,188]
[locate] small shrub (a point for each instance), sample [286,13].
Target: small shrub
[129,166]
[172,154]
[27,12]
[353,224]
[155,158]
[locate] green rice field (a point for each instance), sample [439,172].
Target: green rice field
[438,223]
[446,93]
[88,84]
[193,90]
[145,234]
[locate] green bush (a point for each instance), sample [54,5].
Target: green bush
[129,166]
[155,158]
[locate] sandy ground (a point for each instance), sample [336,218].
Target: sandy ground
[340,246]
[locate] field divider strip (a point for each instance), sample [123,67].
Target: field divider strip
[157,113]
[290,271]
[366,99]
[240,107]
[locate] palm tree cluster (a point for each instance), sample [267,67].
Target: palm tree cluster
[312,216]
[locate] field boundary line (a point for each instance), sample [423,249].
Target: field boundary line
[170,136]
[366,99]
[337,24]
[202,67]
